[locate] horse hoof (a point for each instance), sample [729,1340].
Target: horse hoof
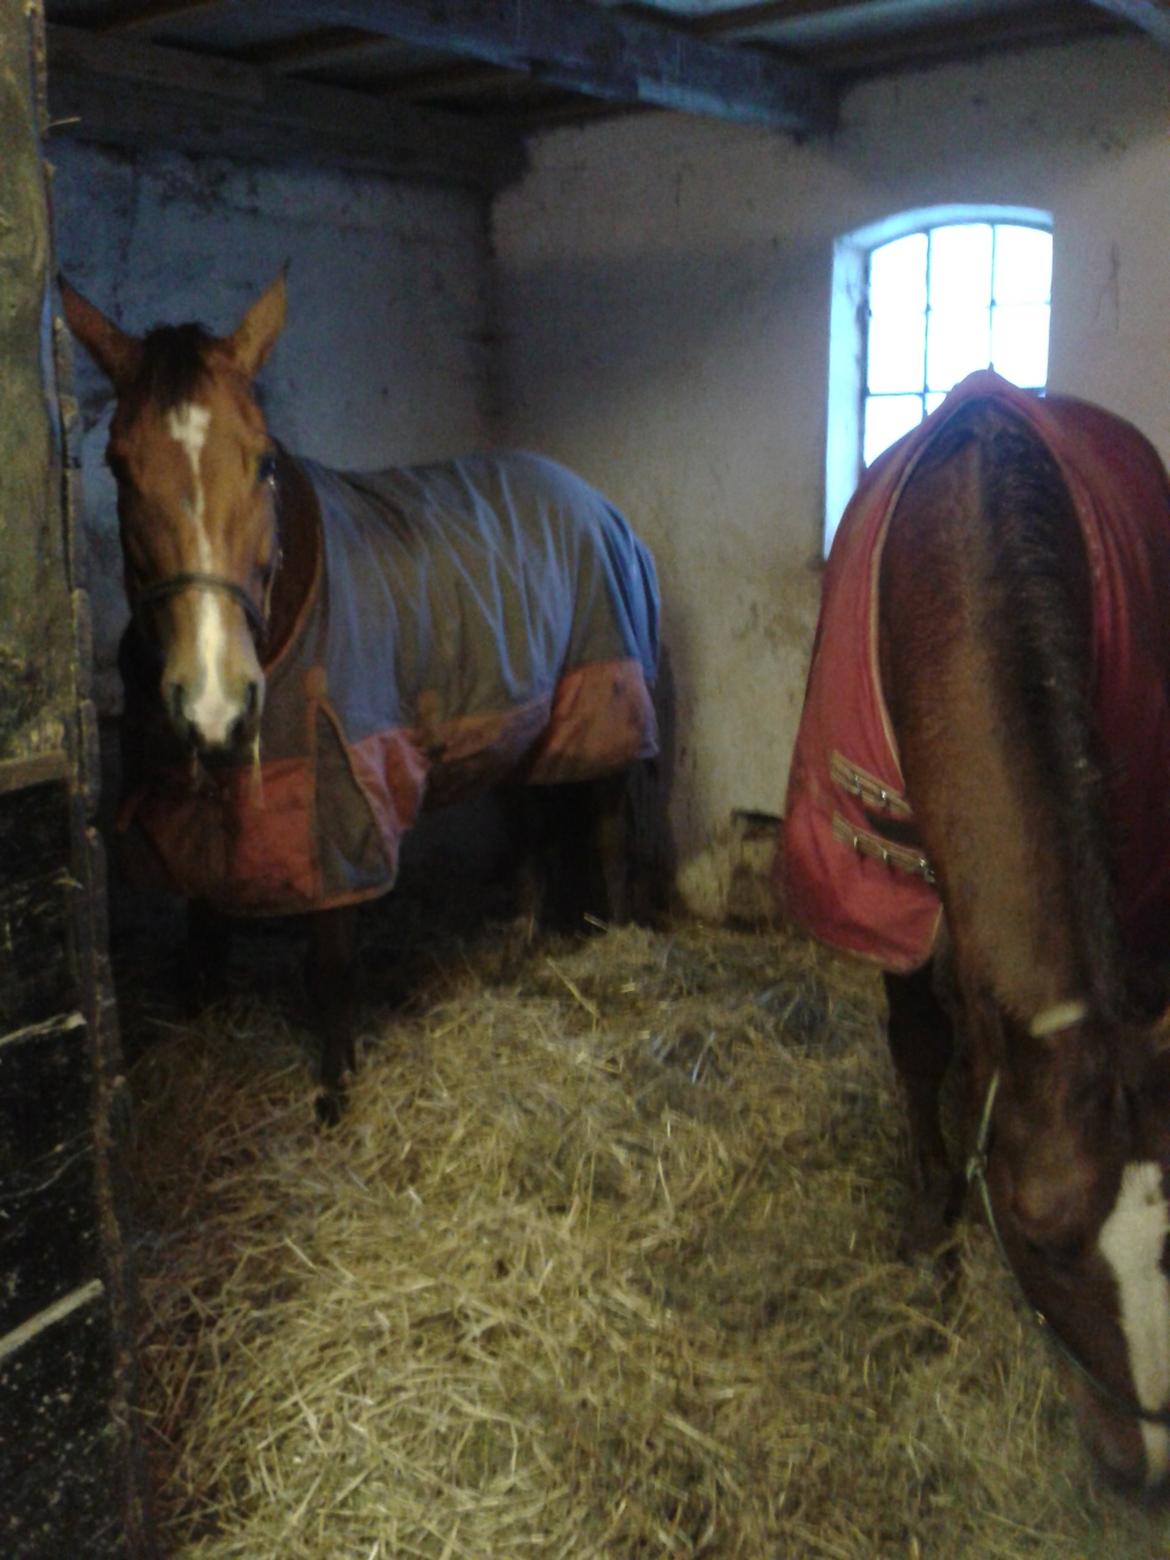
[932,1220]
[329,1107]
[199,991]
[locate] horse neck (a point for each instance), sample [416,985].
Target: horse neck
[986,653]
[299,529]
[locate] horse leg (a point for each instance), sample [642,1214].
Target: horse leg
[921,1038]
[208,948]
[611,848]
[556,859]
[330,984]
[576,847]
[583,851]
[524,815]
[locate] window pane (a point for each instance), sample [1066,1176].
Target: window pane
[933,401]
[896,344]
[960,266]
[897,276]
[888,417]
[1023,265]
[957,341]
[1019,343]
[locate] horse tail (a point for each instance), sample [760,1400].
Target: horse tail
[1038,617]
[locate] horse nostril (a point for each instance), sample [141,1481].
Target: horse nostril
[175,699]
[243,728]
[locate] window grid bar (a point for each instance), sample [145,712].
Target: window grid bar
[991,293]
[926,321]
[879,395]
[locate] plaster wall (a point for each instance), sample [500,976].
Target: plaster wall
[385,356]
[664,289]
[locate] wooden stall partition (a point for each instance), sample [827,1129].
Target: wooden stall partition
[72,1476]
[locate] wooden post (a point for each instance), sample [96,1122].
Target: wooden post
[72,1478]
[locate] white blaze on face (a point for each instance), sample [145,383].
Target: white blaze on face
[210,709]
[1132,1241]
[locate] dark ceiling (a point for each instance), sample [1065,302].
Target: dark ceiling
[448,89]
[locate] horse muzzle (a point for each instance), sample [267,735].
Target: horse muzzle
[1132,1454]
[218,723]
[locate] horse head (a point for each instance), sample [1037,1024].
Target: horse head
[195,468]
[1073,1155]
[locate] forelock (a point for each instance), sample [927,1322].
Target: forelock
[173,365]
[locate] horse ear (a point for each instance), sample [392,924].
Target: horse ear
[116,354]
[255,336]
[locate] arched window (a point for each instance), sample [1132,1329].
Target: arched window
[919,301]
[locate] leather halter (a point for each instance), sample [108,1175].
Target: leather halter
[196,579]
[174,584]
[977,1173]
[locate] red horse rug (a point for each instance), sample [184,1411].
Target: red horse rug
[848,867]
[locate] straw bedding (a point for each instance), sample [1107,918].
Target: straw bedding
[601,1263]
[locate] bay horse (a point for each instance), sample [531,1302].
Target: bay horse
[314,656]
[979,802]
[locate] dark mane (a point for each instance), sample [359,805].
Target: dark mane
[172,366]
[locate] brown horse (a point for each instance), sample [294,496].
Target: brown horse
[313,656]
[979,802]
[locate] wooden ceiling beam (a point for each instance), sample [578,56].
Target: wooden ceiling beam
[461,79]
[142,18]
[764,13]
[910,41]
[1149,16]
[132,94]
[321,49]
[1035,26]
[591,50]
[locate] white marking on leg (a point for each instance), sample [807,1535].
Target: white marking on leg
[211,711]
[1132,1241]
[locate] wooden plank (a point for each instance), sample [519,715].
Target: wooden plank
[49,1234]
[35,684]
[130,94]
[1033,28]
[17,774]
[59,1466]
[846,40]
[141,18]
[1150,16]
[318,50]
[588,49]
[35,909]
[71,1467]
[767,13]
[465,79]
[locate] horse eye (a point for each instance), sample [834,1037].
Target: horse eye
[266,467]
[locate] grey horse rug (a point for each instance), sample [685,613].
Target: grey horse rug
[485,618]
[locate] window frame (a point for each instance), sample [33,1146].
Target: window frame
[848,331]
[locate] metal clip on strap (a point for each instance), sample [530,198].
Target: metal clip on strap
[878,849]
[873,792]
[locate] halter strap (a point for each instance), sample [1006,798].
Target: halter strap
[977,1173]
[193,579]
